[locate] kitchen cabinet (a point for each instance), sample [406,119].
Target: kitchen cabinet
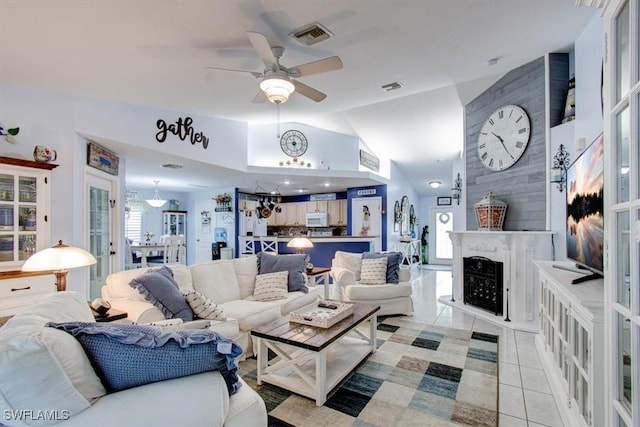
[337,210]
[317,206]
[296,213]
[24,210]
[278,218]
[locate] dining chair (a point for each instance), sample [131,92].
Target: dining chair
[269,244]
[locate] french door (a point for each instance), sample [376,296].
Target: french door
[622,211]
[100,230]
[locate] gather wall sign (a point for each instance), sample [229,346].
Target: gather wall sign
[183,129]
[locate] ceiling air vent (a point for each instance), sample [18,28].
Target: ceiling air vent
[391,86]
[315,33]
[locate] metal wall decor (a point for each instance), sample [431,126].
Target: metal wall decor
[183,129]
[561,162]
[397,217]
[404,210]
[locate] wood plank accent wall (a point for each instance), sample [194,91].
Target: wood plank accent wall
[523,186]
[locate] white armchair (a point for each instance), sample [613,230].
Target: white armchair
[392,298]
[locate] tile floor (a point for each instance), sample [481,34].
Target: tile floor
[525,397]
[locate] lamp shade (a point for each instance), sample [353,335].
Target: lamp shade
[277,88]
[300,243]
[58,257]
[156,202]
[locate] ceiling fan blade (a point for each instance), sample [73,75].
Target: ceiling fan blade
[316,67]
[262,46]
[253,73]
[259,98]
[308,91]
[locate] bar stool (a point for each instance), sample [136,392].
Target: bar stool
[247,246]
[269,244]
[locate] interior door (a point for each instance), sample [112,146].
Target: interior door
[440,245]
[100,230]
[205,223]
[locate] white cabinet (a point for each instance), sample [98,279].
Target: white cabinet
[175,223]
[571,321]
[337,210]
[278,216]
[19,290]
[24,210]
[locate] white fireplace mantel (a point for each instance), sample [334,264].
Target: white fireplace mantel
[516,250]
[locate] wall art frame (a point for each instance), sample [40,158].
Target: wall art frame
[103,159]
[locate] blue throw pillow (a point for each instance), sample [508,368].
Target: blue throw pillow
[294,264]
[130,355]
[160,289]
[394,259]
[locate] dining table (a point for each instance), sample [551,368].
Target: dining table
[145,250]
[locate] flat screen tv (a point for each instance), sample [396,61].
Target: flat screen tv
[585,206]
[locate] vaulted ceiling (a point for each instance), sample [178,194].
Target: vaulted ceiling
[156,53]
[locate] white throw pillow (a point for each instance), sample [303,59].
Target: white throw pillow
[374,271]
[203,307]
[271,286]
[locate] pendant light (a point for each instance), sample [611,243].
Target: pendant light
[156,202]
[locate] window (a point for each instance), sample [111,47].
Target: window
[133,225]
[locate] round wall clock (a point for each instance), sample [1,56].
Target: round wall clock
[293,143]
[504,137]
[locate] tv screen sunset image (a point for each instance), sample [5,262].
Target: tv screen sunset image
[585,221]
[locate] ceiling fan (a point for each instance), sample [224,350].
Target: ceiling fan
[278,82]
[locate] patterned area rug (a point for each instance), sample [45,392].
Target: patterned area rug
[421,375]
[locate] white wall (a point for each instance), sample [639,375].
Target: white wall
[398,187]
[336,151]
[588,124]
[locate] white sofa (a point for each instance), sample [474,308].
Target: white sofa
[46,375]
[392,298]
[229,283]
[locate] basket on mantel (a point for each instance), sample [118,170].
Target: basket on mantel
[490,213]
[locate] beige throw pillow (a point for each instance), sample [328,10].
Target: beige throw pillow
[374,271]
[203,307]
[271,286]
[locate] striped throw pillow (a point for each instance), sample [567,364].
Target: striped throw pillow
[271,286]
[374,271]
[203,307]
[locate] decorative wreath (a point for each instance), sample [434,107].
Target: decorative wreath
[444,217]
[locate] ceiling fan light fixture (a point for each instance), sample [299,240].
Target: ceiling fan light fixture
[156,201]
[277,88]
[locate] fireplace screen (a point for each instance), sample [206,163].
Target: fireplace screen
[483,279]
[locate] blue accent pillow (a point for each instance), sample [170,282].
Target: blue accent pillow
[394,259]
[160,289]
[294,264]
[130,355]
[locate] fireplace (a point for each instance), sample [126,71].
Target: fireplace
[483,280]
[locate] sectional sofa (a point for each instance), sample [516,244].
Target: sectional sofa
[228,283]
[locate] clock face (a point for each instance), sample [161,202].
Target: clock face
[293,143]
[504,137]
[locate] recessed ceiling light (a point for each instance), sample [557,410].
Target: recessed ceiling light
[172,166]
[287,182]
[300,190]
[434,184]
[326,184]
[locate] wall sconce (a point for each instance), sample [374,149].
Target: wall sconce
[456,191]
[559,169]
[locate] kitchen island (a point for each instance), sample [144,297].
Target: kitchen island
[324,248]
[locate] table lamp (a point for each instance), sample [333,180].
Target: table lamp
[299,243]
[59,258]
